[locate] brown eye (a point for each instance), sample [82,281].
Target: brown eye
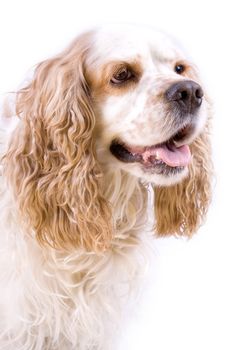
[121,76]
[179,68]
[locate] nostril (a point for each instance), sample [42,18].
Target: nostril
[184,95]
[177,93]
[199,93]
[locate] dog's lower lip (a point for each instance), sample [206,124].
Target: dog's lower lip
[120,152]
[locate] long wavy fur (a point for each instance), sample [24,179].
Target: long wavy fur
[51,161]
[180,209]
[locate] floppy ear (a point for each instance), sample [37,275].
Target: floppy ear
[51,160]
[181,208]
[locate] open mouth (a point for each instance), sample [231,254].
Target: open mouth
[167,158]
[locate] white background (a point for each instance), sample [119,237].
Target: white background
[189,302]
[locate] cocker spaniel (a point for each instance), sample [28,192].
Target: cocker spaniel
[115,122]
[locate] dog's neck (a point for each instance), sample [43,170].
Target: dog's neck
[129,199]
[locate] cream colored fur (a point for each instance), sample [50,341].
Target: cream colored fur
[76,224]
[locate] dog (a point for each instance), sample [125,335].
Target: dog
[114,126]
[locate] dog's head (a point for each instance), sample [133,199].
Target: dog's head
[149,103]
[125,97]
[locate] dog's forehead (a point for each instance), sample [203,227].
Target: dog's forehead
[128,42]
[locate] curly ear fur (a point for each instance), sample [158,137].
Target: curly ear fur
[180,209]
[51,160]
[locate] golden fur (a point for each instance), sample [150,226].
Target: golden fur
[51,161]
[180,209]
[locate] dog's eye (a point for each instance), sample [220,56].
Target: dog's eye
[179,68]
[121,76]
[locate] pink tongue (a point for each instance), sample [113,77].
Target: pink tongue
[177,156]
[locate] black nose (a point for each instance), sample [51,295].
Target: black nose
[187,94]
